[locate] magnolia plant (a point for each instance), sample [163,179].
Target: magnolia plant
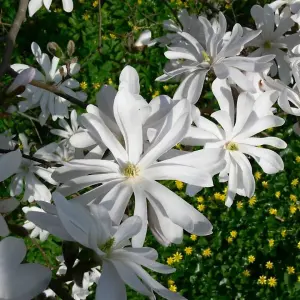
[109,159]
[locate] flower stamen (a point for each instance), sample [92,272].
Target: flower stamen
[131,170]
[231,146]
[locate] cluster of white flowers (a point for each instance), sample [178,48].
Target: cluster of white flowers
[112,157]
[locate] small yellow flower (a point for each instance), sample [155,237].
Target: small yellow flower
[201,207]
[166,87]
[110,82]
[272,281]
[170,261]
[96,85]
[177,257]
[290,270]
[95,3]
[298,159]
[269,265]
[271,243]
[188,250]
[298,245]
[112,36]
[86,16]
[135,28]
[104,37]
[156,93]
[293,209]
[295,182]
[193,237]
[206,252]
[217,196]
[200,199]
[262,280]
[283,233]
[179,184]
[83,85]
[171,282]
[225,190]
[251,259]
[233,233]
[229,240]
[222,197]
[252,201]
[273,211]
[239,205]
[173,288]
[277,194]
[257,175]
[140,2]
[265,184]
[293,198]
[246,273]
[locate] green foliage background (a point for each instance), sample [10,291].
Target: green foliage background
[222,275]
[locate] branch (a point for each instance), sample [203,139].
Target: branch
[173,12]
[45,163]
[51,88]
[59,290]
[12,35]
[100,28]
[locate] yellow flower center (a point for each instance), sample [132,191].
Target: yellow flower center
[131,171]
[232,146]
[206,57]
[107,246]
[267,45]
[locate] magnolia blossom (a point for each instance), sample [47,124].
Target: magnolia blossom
[237,139]
[272,41]
[291,9]
[89,278]
[9,162]
[129,81]
[93,229]
[35,5]
[135,171]
[20,281]
[6,206]
[217,51]
[35,231]
[50,103]
[26,176]
[68,131]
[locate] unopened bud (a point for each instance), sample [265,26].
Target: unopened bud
[70,48]
[55,50]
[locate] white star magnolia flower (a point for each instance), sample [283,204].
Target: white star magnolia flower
[50,103]
[25,176]
[237,137]
[68,131]
[89,279]
[289,99]
[20,281]
[120,265]
[291,9]
[35,5]
[272,40]
[135,171]
[35,230]
[216,51]
[129,81]
[9,162]
[189,24]
[6,206]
